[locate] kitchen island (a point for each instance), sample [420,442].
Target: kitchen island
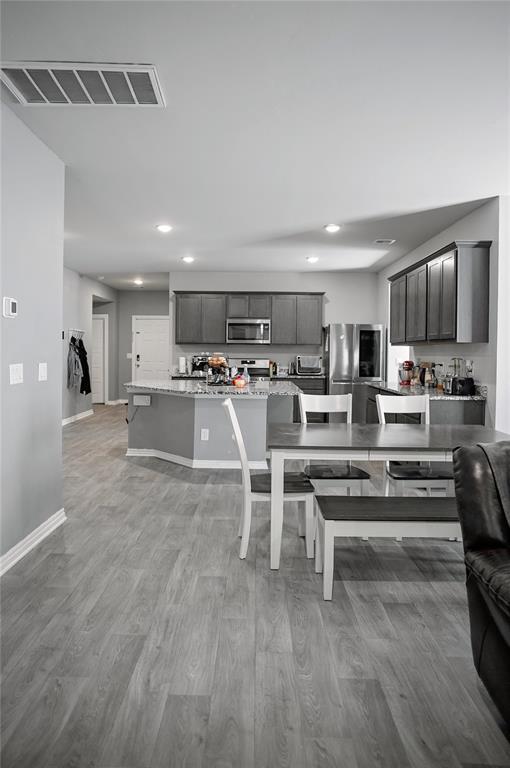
[185,422]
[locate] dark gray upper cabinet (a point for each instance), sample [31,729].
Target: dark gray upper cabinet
[259,306]
[200,318]
[442,301]
[254,305]
[434,270]
[456,286]
[284,319]
[214,315]
[416,305]
[398,311]
[188,318]
[238,305]
[448,327]
[309,319]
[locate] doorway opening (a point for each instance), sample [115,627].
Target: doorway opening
[99,367]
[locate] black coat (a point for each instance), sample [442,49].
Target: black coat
[85,388]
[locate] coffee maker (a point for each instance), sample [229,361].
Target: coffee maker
[199,364]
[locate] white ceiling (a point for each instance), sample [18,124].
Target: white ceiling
[280,117]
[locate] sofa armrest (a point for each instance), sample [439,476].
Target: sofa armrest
[483,521]
[491,570]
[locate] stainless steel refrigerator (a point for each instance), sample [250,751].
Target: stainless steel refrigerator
[354,355]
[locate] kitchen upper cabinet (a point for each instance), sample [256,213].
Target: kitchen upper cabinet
[284,319]
[309,319]
[200,318]
[453,285]
[416,305]
[398,311]
[253,305]
[214,314]
[434,270]
[448,327]
[238,305]
[188,318]
[442,299]
[259,306]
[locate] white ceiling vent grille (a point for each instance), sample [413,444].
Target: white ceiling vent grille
[36,83]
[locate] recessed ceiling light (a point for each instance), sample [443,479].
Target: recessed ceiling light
[188,259]
[138,281]
[312,259]
[100,277]
[384,241]
[164,228]
[332,228]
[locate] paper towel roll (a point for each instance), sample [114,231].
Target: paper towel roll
[182,365]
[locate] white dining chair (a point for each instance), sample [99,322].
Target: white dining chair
[257,487]
[340,475]
[399,476]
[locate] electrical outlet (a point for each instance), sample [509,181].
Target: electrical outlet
[43,371]
[204,434]
[141,400]
[16,373]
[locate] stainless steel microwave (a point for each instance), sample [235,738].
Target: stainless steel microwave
[247,330]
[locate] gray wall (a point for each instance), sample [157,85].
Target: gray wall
[32,257]
[111,309]
[79,293]
[482,224]
[135,303]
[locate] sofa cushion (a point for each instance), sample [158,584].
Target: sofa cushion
[491,569]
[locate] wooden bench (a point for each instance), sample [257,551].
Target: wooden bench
[382,516]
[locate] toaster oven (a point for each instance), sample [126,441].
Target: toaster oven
[308,365]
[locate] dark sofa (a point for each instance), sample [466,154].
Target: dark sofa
[482,488]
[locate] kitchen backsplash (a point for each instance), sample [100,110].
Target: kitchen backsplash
[283,355]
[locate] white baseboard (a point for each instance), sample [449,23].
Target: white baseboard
[77,417]
[116,402]
[193,463]
[24,546]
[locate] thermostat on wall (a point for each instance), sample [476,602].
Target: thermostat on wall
[10,307]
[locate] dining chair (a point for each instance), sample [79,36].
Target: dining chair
[398,476]
[340,475]
[257,487]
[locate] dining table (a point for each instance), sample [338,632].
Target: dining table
[361,442]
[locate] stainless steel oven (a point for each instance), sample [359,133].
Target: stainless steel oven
[247,330]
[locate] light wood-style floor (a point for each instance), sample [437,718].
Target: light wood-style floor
[134,637]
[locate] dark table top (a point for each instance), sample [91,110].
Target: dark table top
[408,437]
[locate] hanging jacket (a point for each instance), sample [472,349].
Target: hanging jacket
[74,369]
[85,388]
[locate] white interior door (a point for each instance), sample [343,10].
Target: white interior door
[151,347]
[98,359]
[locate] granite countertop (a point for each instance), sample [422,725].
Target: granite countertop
[199,388]
[433,393]
[287,377]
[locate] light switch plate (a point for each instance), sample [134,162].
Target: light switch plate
[16,373]
[43,371]
[204,434]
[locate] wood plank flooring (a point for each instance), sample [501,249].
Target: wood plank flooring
[134,637]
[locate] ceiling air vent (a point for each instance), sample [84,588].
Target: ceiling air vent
[384,241]
[36,83]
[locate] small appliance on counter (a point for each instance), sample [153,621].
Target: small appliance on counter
[199,364]
[256,367]
[463,386]
[308,365]
[405,373]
